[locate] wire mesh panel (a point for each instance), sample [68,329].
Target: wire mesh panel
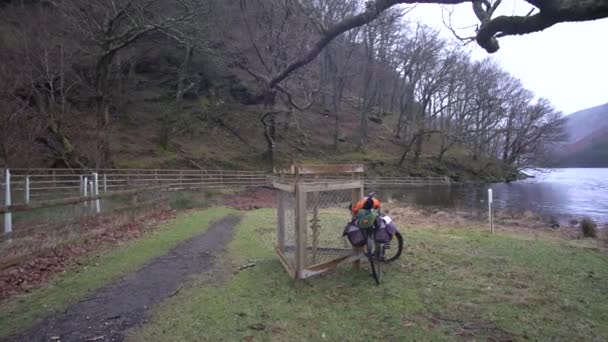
[286,230]
[326,214]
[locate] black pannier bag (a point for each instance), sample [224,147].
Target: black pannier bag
[354,235]
[382,234]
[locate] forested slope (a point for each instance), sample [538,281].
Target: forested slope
[185,83]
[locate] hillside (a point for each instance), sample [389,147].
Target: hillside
[238,142]
[219,84]
[587,144]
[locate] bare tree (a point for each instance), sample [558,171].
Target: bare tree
[109,28]
[532,132]
[43,59]
[550,12]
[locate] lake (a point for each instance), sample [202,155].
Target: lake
[560,193]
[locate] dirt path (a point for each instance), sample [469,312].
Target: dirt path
[111,310]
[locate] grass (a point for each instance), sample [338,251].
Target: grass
[451,284]
[589,227]
[19,313]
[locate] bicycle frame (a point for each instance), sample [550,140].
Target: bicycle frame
[375,254]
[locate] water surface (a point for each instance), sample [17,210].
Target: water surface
[560,193]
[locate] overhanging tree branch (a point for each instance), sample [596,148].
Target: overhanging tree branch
[372,11]
[550,13]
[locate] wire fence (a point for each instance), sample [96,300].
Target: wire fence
[35,201]
[39,185]
[43,214]
[40,196]
[405,181]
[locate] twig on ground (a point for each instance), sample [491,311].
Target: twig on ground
[176,291]
[246,266]
[88,299]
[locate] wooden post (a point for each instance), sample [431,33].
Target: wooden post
[54,178]
[358,193]
[300,231]
[132,212]
[315,226]
[27,189]
[281,220]
[490,216]
[8,217]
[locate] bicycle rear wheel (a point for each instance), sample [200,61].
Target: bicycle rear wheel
[394,254]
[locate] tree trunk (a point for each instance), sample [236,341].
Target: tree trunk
[182,77]
[103,108]
[505,152]
[268,121]
[337,99]
[63,148]
[166,127]
[420,121]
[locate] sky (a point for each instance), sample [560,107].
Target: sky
[566,63]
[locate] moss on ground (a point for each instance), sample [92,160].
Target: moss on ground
[449,285]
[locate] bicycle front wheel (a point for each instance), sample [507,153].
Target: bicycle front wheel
[373,262]
[379,262]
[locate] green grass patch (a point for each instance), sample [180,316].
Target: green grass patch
[449,285]
[18,313]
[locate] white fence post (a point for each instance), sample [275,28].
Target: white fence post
[490,216]
[81,193]
[91,191]
[85,190]
[105,182]
[8,217]
[96,192]
[27,189]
